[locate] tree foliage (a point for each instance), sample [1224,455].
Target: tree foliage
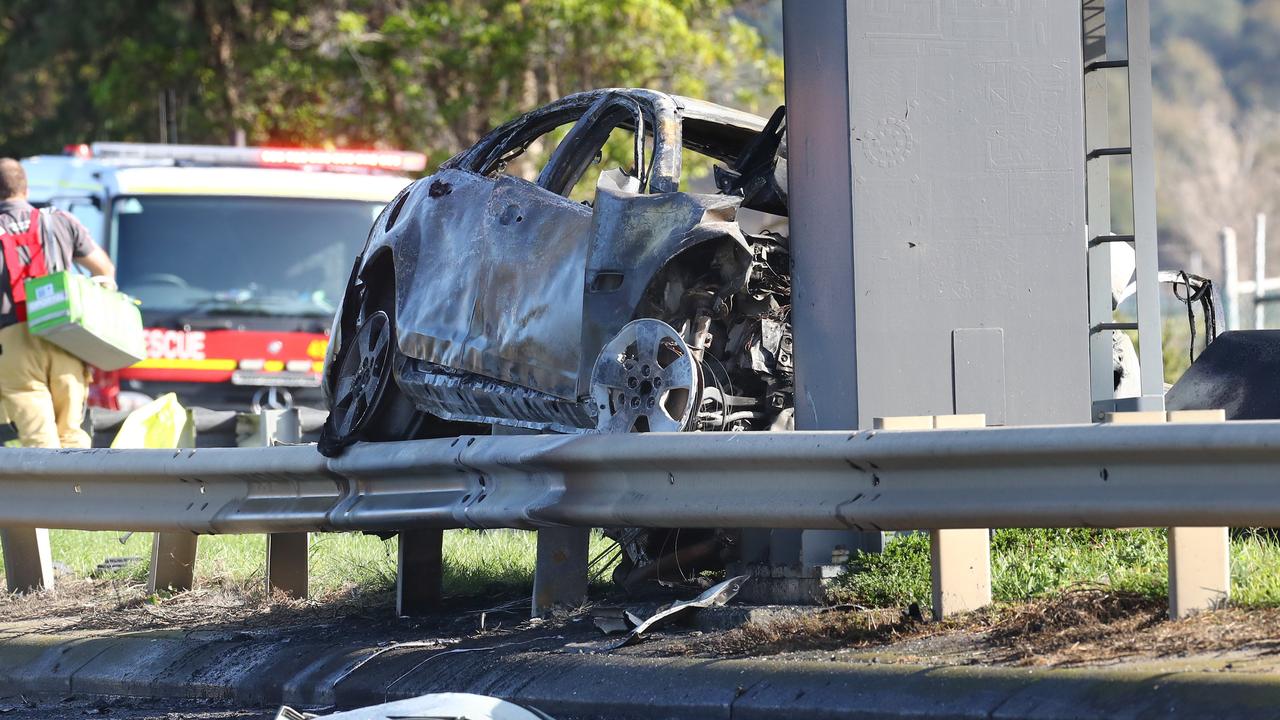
[431,75]
[1217,122]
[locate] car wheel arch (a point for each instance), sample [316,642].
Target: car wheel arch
[708,237]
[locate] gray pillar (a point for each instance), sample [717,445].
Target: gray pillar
[936,180]
[820,184]
[936,176]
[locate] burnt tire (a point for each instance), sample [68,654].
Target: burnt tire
[360,388]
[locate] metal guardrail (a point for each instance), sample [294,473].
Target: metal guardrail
[1194,478]
[1060,476]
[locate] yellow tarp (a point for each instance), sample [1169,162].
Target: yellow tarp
[158,424]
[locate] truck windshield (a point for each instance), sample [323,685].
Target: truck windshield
[237,255]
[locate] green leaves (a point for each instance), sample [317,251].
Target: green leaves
[430,76]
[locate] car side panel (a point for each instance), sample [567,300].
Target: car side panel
[490,279]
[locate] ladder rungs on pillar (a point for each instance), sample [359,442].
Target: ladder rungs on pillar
[1105,64]
[1104,239]
[1104,327]
[1108,152]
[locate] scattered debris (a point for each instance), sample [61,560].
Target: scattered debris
[614,620]
[714,596]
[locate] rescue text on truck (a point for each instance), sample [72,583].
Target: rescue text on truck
[238,257]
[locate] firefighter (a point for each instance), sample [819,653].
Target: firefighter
[42,387]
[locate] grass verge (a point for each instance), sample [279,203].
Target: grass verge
[1033,564]
[476,562]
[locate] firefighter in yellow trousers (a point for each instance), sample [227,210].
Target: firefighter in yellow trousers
[42,387]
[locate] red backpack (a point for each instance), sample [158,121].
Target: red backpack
[28,245]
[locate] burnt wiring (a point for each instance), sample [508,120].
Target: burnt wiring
[1190,289]
[707,372]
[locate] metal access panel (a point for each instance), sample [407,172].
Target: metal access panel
[937,175]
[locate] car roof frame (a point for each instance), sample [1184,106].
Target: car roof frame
[710,129]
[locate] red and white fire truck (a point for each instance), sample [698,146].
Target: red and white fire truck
[238,257]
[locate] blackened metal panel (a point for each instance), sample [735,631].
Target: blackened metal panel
[489,279]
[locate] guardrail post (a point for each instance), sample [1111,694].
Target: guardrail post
[28,562]
[960,559]
[173,555]
[286,552]
[419,571]
[560,573]
[287,564]
[560,577]
[1199,557]
[173,562]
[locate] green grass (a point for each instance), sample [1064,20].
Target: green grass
[475,562]
[1027,564]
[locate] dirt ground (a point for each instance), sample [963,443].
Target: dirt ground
[22,708]
[1079,629]
[1084,627]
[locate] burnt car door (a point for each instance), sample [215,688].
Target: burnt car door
[499,266]
[497,286]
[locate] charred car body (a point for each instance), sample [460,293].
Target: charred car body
[480,297]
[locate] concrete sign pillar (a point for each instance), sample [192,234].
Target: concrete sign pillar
[936,180]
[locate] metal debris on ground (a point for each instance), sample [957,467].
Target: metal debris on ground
[714,596]
[459,706]
[614,620]
[114,564]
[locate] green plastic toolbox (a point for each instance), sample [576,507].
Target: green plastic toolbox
[100,326]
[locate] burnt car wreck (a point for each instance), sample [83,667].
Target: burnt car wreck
[481,298]
[485,298]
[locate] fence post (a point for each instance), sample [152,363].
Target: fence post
[173,555]
[1259,272]
[287,570]
[960,559]
[1230,279]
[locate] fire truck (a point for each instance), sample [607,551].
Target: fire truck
[237,256]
